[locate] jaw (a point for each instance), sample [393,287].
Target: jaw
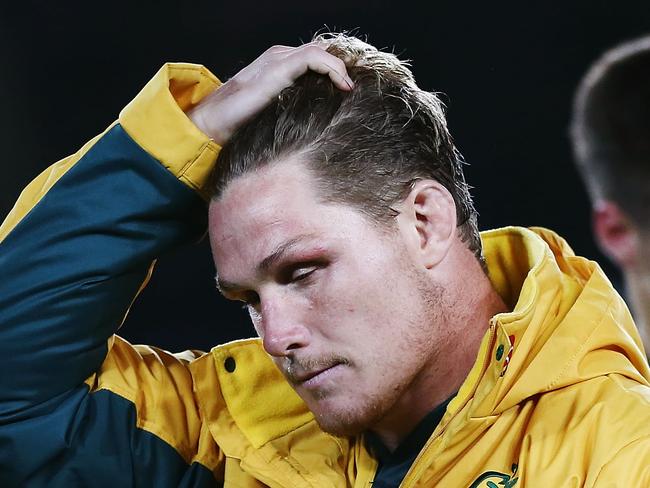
[345,410]
[340,417]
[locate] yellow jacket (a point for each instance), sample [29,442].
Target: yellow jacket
[559,395]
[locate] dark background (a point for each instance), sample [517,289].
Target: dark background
[507,71]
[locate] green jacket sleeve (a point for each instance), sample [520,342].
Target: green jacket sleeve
[74,252]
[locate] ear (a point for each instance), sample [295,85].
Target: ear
[428,219]
[615,233]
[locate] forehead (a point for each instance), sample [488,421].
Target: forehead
[271,194]
[262,210]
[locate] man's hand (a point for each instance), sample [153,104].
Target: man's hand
[253,88]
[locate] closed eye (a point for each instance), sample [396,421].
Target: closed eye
[288,276]
[302,273]
[299,271]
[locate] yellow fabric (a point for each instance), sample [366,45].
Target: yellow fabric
[571,408]
[160,386]
[575,392]
[566,404]
[281,406]
[155,119]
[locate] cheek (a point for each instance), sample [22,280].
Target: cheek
[327,305]
[367,291]
[350,300]
[338,290]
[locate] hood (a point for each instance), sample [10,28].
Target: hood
[567,325]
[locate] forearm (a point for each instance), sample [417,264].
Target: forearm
[79,243]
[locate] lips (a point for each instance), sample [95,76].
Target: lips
[304,376]
[309,375]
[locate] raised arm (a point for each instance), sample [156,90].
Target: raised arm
[80,243]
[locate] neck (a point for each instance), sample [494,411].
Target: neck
[469,312]
[637,283]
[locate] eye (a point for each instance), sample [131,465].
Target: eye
[302,273]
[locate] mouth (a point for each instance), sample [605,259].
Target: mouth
[314,378]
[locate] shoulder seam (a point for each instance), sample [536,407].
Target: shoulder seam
[152,427]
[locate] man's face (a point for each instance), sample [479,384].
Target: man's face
[341,308]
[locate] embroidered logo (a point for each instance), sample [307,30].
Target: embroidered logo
[494,479]
[506,361]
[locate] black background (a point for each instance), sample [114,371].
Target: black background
[507,71]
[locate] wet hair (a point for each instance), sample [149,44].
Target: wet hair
[365,148]
[610,129]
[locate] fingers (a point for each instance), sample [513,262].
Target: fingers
[316,58]
[313,56]
[255,86]
[336,71]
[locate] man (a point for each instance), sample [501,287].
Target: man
[609,131]
[407,348]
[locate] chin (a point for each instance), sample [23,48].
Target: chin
[347,419]
[341,425]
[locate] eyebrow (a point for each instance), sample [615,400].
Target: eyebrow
[264,265]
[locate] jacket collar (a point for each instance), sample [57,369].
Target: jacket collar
[567,325]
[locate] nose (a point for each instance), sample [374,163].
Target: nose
[281,329]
